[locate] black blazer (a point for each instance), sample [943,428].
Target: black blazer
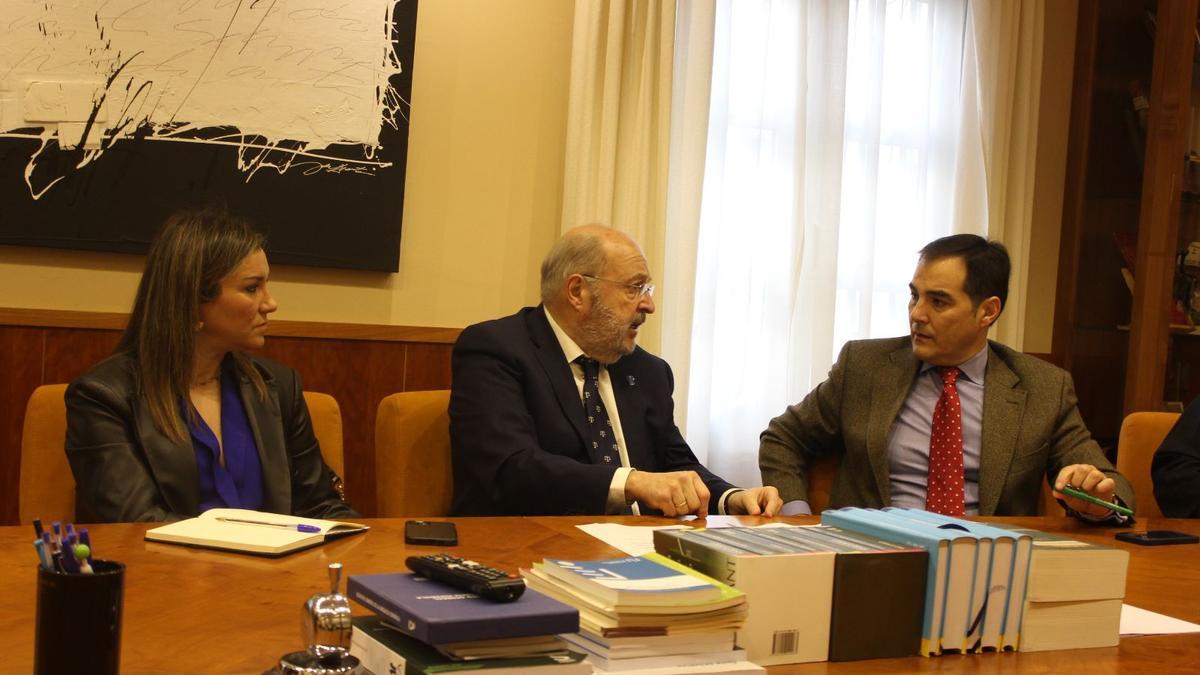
[126,470]
[1176,467]
[517,426]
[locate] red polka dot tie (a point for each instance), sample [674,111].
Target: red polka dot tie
[945,490]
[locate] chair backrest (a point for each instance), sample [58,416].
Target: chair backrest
[820,482]
[47,488]
[1141,434]
[327,427]
[412,454]
[1048,505]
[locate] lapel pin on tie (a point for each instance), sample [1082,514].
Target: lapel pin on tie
[631,380]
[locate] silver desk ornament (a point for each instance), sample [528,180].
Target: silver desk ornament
[325,627]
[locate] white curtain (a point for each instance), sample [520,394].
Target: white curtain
[618,123]
[997,158]
[831,150]
[685,181]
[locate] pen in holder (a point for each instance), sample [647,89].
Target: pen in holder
[78,623]
[325,627]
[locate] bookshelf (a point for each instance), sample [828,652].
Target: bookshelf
[1129,179]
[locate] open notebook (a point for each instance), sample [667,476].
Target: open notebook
[269,534]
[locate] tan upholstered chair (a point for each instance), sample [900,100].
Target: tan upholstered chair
[412,454]
[327,427]
[1141,434]
[820,482]
[1048,505]
[47,488]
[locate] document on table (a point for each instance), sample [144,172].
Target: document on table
[631,539]
[639,539]
[1138,621]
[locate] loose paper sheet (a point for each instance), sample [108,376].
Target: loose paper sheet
[1138,621]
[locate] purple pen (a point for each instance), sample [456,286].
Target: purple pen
[57,535]
[67,559]
[84,539]
[299,527]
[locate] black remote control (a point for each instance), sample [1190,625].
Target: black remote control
[486,582]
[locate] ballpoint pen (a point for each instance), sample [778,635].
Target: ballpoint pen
[1072,491]
[67,557]
[43,556]
[299,527]
[84,538]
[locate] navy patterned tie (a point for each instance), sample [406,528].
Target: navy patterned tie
[602,444]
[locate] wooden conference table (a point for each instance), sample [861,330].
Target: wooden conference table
[194,610]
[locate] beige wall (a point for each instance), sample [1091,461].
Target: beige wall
[1058,61]
[484,185]
[483,193]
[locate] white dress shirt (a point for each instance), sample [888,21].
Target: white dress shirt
[616,490]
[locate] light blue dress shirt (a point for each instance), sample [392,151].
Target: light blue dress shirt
[908,439]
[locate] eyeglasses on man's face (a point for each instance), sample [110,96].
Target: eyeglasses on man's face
[632,291]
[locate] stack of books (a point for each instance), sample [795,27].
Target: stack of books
[647,614]
[1074,595]
[422,626]
[992,587]
[816,593]
[961,578]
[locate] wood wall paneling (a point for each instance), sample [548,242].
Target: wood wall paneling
[71,352]
[427,367]
[21,363]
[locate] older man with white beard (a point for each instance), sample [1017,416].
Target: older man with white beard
[556,410]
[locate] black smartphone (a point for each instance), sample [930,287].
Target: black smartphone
[430,533]
[1158,537]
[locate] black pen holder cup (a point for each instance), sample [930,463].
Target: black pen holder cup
[78,627]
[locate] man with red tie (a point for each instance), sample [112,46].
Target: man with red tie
[944,419]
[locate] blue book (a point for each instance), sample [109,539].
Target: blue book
[1002,568]
[1016,547]
[949,579]
[634,581]
[436,614]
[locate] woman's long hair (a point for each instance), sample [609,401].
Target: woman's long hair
[192,253]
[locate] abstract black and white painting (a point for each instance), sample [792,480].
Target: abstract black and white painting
[114,113]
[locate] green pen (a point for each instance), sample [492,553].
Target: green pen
[1080,494]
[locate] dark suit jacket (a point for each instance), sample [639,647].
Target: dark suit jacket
[126,470]
[1176,467]
[1031,429]
[517,426]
